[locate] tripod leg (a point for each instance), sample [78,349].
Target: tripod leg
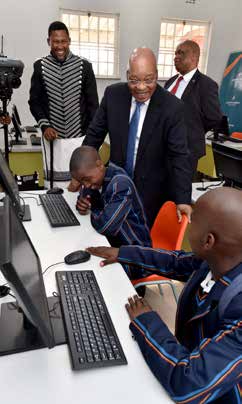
[51,163]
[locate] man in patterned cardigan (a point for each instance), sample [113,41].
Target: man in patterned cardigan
[63,98]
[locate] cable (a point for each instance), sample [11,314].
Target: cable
[30,193]
[22,199]
[203,188]
[4,290]
[32,197]
[56,315]
[52,265]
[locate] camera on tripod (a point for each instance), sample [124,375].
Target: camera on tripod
[10,72]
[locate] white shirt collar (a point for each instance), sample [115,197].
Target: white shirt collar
[207,283]
[188,76]
[146,102]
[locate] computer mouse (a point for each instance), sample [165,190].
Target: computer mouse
[55,190]
[76,257]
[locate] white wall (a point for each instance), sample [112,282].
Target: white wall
[24,25]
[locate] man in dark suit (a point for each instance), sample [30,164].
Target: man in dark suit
[160,137]
[200,96]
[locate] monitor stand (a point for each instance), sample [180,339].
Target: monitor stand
[27,214]
[15,338]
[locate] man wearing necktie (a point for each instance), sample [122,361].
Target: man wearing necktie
[147,135]
[200,96]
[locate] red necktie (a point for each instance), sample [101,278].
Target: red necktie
[174,89]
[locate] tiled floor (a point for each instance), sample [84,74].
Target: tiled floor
[165,305]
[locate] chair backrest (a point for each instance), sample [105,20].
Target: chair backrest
[167,233]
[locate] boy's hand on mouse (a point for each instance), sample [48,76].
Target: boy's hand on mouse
[83,205]
[137,306]
[110,253]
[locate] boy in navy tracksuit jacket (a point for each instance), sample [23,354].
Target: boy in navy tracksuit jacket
[202,363]
[116,209]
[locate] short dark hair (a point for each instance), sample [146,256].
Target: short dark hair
[83,156]
[57,26]
[193,46]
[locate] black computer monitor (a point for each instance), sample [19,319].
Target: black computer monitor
[16,114]
[222,129]
[27,323]
[10,186]
[228,164]
[17,130]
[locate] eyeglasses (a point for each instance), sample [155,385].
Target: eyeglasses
[146,82]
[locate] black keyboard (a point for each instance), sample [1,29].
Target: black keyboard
[58,211]
[91,336]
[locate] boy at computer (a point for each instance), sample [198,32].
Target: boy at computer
[203,363]
[111,196]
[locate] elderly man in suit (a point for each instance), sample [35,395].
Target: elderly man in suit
[147,135]
[200,96]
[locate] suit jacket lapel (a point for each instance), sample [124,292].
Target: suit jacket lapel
[213,297]
[151,117]
[188,291]
[190,85]
[210,301]
[170,81]
[124,113]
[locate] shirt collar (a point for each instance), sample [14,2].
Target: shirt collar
[133,101]
[207,283]
[188,76]
[69,55]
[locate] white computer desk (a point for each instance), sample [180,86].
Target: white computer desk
[196,193]
[45,376]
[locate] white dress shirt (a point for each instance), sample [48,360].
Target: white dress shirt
[183,84]
[207,283]
[143,110]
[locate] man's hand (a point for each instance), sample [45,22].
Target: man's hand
[5,119]
[182,208]
[74,186]
[110,253]
[50,134]
[83,205]
[136,306]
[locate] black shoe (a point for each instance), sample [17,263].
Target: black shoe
[141,291]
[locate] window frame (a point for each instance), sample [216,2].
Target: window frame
[116,45]
[203,61]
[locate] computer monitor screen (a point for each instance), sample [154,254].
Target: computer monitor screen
[10,186]
[17,132]
[21,267]
[16,114]
[228,164]
[224,126]
[221,132]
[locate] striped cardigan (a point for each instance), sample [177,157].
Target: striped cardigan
[63,95]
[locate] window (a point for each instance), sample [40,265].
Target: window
[173,32]
[95,37]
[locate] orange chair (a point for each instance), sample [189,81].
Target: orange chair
[166,233]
